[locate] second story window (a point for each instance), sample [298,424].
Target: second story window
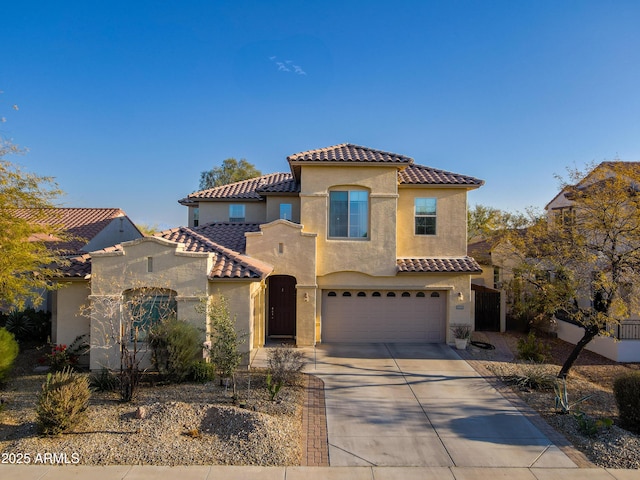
[196,216]
[565,216]
[236,213]
[286,211]
[349,214]
[425,216]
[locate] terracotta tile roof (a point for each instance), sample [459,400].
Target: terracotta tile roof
[246,189]
[83,224]
[347,152]
[285,186]
[77,267]
[438,265]
[229,235]
[227,263]
[421,175]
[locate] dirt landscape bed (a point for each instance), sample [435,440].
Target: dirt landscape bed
[593,376]
[184,424]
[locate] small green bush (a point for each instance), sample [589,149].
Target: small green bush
[63,402]
[103,380]
[202,372]
[532,349]
[627,392]
[590,426]
[8,352]
[175,345]
[273,387]
[285,364]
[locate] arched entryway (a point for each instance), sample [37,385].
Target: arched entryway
[281,307]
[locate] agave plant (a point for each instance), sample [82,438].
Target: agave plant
[19,323]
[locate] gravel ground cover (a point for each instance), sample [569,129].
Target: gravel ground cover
[185,424]
[592,375]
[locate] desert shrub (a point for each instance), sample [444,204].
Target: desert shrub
[28,324]
[627,392]
[532,376]
[175,345]
[285,363]
[532,349]
[103,380]
[202,372]
[63,401]
[8,352]
[273,386]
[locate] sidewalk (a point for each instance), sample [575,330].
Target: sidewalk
[40,472]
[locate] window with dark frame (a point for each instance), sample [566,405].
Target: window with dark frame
[348,214]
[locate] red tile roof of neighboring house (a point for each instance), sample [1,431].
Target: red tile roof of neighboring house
[82,224]
[347,152]
[438,265]
[480,250]
[246,189]
[421,175]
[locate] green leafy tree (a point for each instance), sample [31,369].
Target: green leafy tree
[225,341]
[230,171]
[583,264]
[25,259]
[486,222]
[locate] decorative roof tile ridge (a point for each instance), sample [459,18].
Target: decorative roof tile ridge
[257,179]
[299,156]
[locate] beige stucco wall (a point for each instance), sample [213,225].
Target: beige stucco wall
[255,211]
[374,255]
[450,239]
[239,294]
[485,278]
[116,272]
[273,207]
[292,252]
[67,319]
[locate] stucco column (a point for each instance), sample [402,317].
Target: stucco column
[306,315]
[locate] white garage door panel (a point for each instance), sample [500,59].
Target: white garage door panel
[383,319]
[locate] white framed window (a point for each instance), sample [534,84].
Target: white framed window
[236,213]
[425,216]
[349,214]
[286,211]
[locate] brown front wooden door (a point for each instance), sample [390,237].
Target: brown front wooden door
[282,306]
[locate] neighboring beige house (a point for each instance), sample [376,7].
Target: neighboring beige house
[352,245]
[623,344]
[88,229]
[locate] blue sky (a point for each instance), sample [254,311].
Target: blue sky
[126,102]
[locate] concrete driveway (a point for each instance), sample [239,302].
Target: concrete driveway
[421,405]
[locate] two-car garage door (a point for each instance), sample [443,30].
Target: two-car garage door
[383,316]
